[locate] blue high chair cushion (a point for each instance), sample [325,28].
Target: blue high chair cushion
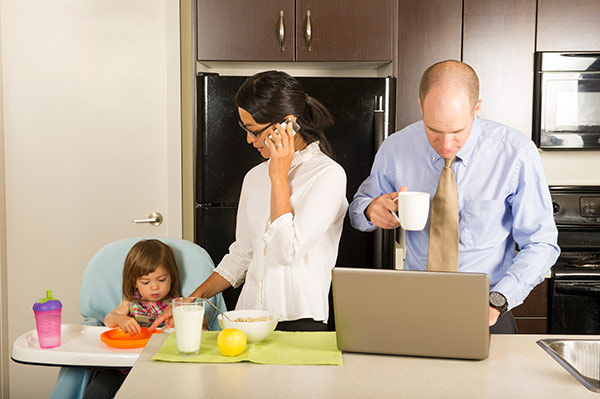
[101,285]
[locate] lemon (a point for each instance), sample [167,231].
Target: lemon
[231,342]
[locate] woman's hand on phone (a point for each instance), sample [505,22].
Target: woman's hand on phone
[282,153]
[281,146]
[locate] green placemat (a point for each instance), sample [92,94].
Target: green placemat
[278,348]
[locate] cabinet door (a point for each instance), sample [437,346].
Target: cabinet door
[536,303]
[344,30]
[428,32]
[568,25]
[498,42]
[532,315]
[245,30]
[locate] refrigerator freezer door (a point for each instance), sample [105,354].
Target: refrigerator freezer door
[355,140]
[351,101]
[215,230]
[224,157]
[222,154]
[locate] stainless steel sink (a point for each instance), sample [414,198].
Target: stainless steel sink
[581,358]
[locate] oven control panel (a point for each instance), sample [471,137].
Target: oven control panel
[590,206]
[576,206]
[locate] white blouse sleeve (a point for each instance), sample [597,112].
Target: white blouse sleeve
[292,235]
[235,263]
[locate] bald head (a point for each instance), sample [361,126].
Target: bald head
[450,74]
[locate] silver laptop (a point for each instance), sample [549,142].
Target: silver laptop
[414,313]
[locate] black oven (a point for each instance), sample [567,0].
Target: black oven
[566,111]
[575,283]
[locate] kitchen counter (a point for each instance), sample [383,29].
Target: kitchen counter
[516,368]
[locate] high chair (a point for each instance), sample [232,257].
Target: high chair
[101,293]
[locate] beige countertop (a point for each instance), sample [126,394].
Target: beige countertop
[516,368]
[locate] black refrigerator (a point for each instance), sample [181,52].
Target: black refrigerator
[363,109]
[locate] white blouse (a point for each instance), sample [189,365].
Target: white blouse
[286,263]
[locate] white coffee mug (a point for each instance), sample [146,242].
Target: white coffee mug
[413,210]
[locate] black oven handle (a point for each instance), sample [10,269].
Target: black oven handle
[578,289]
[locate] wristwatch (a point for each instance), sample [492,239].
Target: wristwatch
[498,301]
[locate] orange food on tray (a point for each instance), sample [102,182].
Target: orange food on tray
[117,338]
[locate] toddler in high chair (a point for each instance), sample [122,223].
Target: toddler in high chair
[150,282]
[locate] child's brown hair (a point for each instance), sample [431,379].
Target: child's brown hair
[144,258]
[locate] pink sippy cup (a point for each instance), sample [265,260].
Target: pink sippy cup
[47,320]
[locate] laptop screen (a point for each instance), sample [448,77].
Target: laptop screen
[415,313]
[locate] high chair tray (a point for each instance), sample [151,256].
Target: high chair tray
[80,346]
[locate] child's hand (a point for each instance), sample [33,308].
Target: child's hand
[130,326]
[205,324]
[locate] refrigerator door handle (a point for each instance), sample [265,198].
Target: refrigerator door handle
[379,121]
[384,240]
[378,116]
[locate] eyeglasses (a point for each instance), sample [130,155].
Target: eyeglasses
[251,133]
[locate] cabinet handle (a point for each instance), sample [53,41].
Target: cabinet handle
[308,31]
[281,31]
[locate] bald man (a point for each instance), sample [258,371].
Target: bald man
[503,197]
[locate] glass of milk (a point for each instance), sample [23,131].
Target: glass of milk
[188,314]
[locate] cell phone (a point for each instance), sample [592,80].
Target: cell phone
[295,127]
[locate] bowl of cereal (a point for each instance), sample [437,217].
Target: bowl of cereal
[256,324]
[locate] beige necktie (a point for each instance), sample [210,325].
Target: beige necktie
[443,228]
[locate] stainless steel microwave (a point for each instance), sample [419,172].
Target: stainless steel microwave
[566,109]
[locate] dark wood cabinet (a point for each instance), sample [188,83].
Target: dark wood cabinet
[245,30]
[344,30]
[428,32]
[300,30]
[498,42]
[568,25]
[495,37]
[532,315]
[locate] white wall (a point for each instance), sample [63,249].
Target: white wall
[87,86]
[572,167]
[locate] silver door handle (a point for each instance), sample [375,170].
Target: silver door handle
[155,219]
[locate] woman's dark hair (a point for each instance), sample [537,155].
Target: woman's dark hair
[270,96]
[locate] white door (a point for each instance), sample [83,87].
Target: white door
[92,141]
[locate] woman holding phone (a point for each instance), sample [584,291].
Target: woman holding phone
[291,208]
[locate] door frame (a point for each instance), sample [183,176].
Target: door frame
[3,302]
[174,149]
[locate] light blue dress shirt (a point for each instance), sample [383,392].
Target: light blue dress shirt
[503,199]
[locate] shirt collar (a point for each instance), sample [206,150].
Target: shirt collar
[311,150]
[465,153]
